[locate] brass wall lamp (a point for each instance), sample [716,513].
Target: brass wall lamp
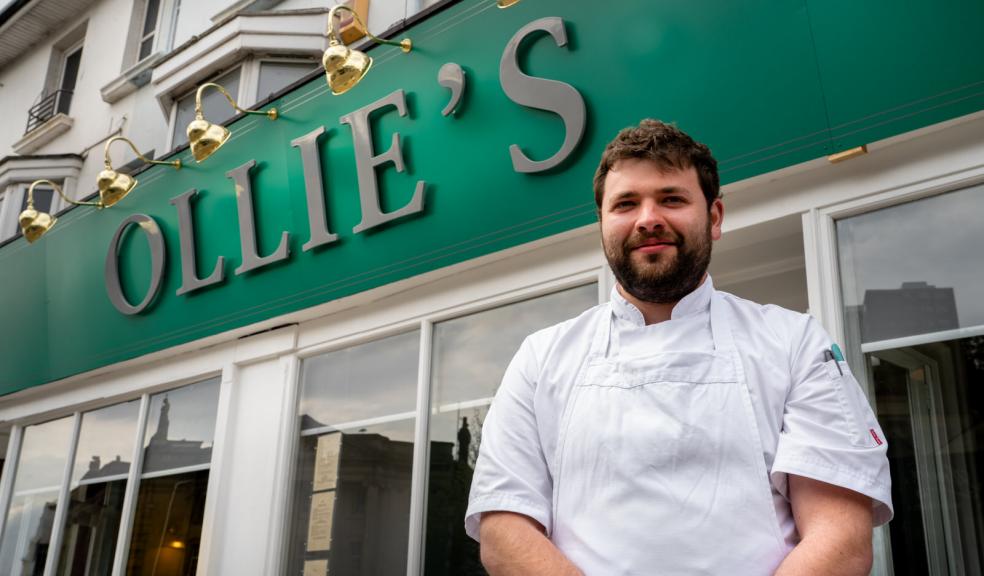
[35,224]
[506,3]
[344,66]
[205,138]
[113,186]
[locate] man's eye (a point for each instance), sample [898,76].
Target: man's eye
[673,200]
[624,204]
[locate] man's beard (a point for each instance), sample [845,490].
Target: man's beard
[659,281]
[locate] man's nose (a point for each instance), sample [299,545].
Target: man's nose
[650,217]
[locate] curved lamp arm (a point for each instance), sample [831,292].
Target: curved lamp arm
[199,115]
[109,166]
[406,45]
[56,188]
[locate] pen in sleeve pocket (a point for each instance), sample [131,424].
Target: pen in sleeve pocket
[828,355]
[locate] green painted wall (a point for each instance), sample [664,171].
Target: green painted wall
[765,83]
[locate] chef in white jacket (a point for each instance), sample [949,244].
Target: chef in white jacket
[676,429]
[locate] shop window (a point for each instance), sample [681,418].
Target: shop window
[911,278]
[31,515]
[97,487]
[470,355]
[355,459]
[177,441]
[357,413]
[80,516]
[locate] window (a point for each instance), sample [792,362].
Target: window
[81,516]
[68,77]
[151,30]
[30,518]
[910,284]
[358,411]
[152,10]
[60,81]
[470,355]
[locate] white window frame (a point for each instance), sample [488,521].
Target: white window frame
[955,161]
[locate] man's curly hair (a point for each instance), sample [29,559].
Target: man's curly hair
[666,145]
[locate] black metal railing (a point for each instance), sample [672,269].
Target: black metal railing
[57,101]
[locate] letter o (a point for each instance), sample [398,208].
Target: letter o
[156,241]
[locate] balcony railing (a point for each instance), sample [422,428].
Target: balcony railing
[57,101]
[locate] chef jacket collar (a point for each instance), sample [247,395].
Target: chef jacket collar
[694,303]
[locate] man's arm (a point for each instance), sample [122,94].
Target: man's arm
[834,525]
[515,545]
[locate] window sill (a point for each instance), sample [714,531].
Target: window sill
[53,128]
[130,79]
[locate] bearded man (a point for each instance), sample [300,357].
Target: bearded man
[676,429]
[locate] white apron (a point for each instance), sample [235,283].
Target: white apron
[660,464]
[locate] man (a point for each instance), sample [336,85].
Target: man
[676,429]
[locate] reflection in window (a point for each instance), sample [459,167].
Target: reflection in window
[913,268]
[470,355]
[914,272]
[98,483]
[40,470]
[352,491]
[167,526]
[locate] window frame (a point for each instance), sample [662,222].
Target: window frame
[133,477]
[601,276]
[823,269]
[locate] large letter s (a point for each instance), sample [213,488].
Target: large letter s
[550,95]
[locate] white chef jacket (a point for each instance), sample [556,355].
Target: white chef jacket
[811,420]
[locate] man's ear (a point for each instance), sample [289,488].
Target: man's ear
[716,214]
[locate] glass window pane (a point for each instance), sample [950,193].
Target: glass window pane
[146,46]
[352,491]
[275,76]
[106,442]
[105,445]
[150,16]
[367,381]
[470,355]
[915,268]
[91,529]
[214,105]
[167,526]
[914,271]
[180,427]
[40,470]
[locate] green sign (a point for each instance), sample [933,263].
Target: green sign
[282,217]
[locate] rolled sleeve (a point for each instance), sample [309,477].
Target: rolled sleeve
[511,473]
[829,432]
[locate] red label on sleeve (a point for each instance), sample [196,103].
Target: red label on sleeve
[875,436]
